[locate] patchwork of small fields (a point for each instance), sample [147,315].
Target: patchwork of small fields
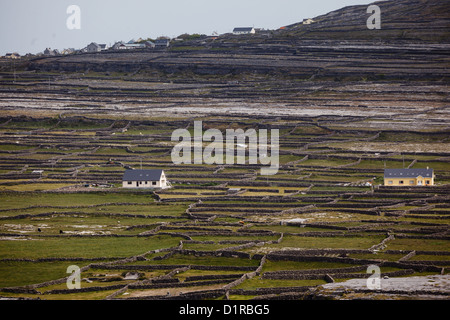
[222,231]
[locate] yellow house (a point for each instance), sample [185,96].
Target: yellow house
[409,177]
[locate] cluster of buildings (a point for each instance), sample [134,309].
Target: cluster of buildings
[130,45]
[133,44]
[14,55]
[46,52]
[99,47]
[56,52]
[138,44]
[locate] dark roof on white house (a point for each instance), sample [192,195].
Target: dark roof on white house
[246,29]
[142,175]
[162,41]
[408,173]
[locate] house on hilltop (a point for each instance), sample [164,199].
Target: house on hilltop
[68,51]
[14,55]
[152,179]
[162,43]
[246,30]
[308,21]
[149,44]
[50,52]
[409,177]
[116,45]
[95,47]
[131,46]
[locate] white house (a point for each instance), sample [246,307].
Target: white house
[131,46]
[50,52]
[68,51]
[153,179]
[162,43]
[116,45]
[308,21]
[249,30]
[95,47]
[149,44]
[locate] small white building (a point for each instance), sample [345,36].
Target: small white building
[116,45]
[149,44]
[39,172]
[162,43]
[50,52]
[68,51]
[308,21]
[246,30]
[95,47]
[131,46]
[152,179]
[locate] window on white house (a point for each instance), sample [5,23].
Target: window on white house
[411,181]
[400,182]
[154,183]
[390,182]
[129,182]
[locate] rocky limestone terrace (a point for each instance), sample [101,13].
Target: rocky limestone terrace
[391,288]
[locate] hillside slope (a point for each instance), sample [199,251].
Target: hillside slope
[411,45]
[417,20]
